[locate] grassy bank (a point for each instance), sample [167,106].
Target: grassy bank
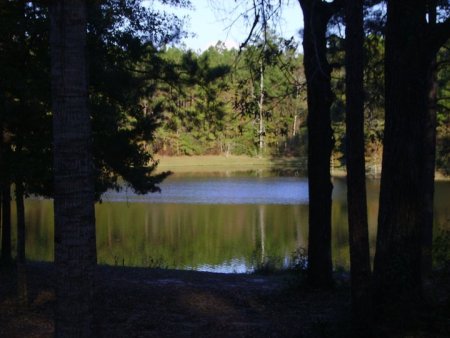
[232,163]
[218,163]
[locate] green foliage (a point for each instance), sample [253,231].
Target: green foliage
[147,97]
[443,151]
[443,111]
[441,265]
[299,260]
[189,145]
[213,97]
[268,265]
[24,98]
[121,35]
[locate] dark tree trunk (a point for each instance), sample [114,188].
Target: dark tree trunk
[21,256]
[5,195]
[356,178]
[430,157]
[75,252]
[405,177]
[6,258]
[316,15]
[1,171]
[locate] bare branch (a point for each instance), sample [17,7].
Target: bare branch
[250,34]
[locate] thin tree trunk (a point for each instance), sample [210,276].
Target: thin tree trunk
[356,178]
[5,195]
[261,108]
[430,158]
[6,258]
[75,252]
[1,178]
[316,15]
[21,255]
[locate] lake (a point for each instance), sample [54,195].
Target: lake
[222,223]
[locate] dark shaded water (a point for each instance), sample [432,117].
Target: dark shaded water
[227,224]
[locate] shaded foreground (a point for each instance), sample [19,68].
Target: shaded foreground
[139,302]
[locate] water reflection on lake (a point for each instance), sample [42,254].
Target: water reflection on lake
[225,224]
[223,190]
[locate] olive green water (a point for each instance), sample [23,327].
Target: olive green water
[219,233]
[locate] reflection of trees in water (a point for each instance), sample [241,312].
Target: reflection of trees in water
[262,232]
[194,235]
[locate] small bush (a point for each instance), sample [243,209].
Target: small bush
[269,265]
[297,262]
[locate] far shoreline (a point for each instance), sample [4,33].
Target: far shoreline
[242,163]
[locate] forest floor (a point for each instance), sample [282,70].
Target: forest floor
[139,302]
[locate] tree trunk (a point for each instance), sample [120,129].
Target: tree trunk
[1,173]
[316,15]
[21,257]
[6,258]
[356,178]
[5,195]
[75,252]
[261,108]
[397,268]
[430,157]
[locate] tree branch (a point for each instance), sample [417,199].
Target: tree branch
[250,34]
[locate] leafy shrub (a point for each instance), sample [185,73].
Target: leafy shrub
[269,265]
[297,262]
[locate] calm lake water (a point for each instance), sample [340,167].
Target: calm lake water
[213,223]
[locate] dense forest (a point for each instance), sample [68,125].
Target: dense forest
[215,104]
[91,92]
[175,101]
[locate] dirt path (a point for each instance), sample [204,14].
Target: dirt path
[133,302]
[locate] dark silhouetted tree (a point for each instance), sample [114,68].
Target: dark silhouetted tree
[75,251]
[411,46]
[355,152]
[316,15]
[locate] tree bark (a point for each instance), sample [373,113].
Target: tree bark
[5,195]
[430,154]
[75,251]
[397,269]
[21,256]
[356,178]
[261,108]
[316,15]
[6,258]
[1,173]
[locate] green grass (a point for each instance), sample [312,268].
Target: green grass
[220,163]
